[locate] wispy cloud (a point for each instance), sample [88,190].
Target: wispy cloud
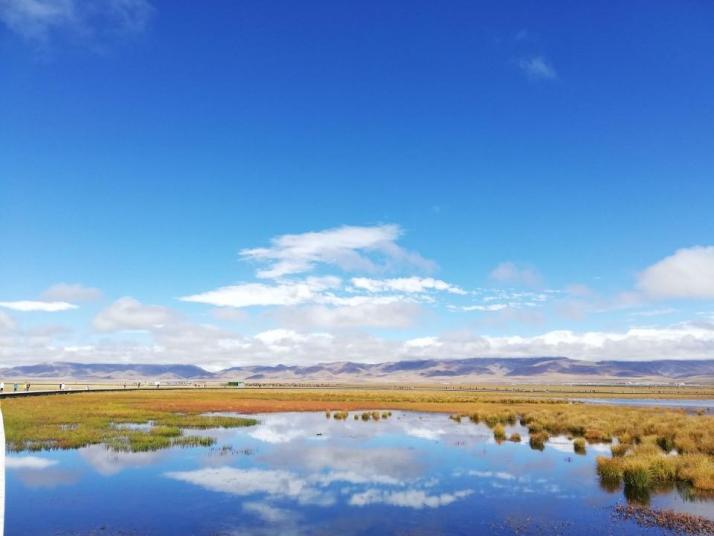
[491,307]
[71,292]
[36,305]
[405,284]
[350,248]
[510,272]
[40,20]
[28,462]
[414,498]
[129,314]
[537,67]
[308,290]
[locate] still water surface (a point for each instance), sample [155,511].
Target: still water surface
[301,473]
[678,403]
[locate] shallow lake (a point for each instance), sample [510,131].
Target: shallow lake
[301,473]
[678,403]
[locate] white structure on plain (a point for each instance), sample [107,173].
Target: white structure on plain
[2,476]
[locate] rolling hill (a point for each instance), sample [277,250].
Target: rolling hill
[471,370]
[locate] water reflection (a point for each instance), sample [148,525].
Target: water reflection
[299,473]
[672,403]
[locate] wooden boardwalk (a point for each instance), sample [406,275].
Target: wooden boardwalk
[44,392]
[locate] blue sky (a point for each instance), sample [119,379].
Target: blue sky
[485,178]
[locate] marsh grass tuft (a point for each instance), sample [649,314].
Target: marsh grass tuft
[499,433]
[666,443]
[619,450]
[579,445]
[537,440]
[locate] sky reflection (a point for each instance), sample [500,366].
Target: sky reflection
[300,473]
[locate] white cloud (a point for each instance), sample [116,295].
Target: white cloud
[348,247]
[509,272]
[243,482]
[537,67]
[129,314]
[491,307]
[6,322]
[405,284]
[36,305]
[252,294]
[416,499]
[423,342]
[692,341]
[312,302]
[324,329]
[268,513]
[28,462]
[109,462]
[71,292]
[655,312]
[687,274]
[38,20]
[380,315]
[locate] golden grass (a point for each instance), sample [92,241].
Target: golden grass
[72,421]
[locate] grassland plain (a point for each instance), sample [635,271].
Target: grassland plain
[651,447]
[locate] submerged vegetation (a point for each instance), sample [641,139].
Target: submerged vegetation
[365,415]
[677,522]
[650,447]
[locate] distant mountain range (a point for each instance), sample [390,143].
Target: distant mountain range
[472,370]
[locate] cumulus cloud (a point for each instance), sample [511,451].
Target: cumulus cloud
[686,340]
[71,292]
[129,314]
[509,272]
[243,482]
[182,342]
[39,20]
[687,274]
[37,305]
[405,284]
[537,68]
[350,248]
